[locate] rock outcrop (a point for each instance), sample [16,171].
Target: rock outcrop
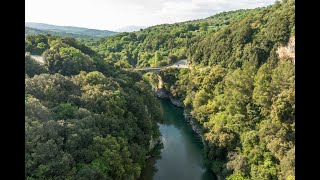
[162,93]
[176,102]
[287,52]
[196,127]
[153,143]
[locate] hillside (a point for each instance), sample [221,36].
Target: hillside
[82,114]
[34,31]
[85,107]
[65,31]
[241,92]
[162,44]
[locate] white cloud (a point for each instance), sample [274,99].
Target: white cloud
[113,14]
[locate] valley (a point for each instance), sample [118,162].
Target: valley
[212,98]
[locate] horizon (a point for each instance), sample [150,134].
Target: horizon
[100,14]
[88,27]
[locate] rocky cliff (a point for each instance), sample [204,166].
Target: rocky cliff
[176,102]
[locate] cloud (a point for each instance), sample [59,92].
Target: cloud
[171,11]
[195,9]
[112,14]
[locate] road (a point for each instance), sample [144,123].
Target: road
[179,64]
[38,58]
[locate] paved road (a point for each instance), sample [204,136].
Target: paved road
[179,64]
[38,58]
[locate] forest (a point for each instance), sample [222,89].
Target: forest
[84,118]
[162,44]
[89,116]
[241,89]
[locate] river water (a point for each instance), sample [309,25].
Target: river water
[180,157]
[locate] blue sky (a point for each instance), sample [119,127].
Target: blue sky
[113,14]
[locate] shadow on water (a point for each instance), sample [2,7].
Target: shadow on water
[150,170]
[181,154]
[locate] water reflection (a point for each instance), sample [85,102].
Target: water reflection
[150,170]
[180,156]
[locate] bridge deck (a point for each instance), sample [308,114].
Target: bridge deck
[179,64]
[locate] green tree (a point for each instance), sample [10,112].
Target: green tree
[114,158]
[157,57]
[172,59]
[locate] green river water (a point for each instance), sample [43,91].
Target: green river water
[180,157]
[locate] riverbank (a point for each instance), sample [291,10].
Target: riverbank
[152,144]
[180,155]
[195,125]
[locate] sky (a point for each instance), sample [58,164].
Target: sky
[114,14]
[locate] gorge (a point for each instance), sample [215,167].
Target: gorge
[212,98]
[180,156]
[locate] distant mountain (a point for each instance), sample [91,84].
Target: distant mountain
[29,30]
[65,31]
[130,28]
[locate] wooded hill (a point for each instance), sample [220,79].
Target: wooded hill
[241,89]
[84,118]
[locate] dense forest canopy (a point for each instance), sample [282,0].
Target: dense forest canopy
[241,89]
[162,44]
[84,118]
[87,118]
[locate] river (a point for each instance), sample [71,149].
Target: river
[180,157]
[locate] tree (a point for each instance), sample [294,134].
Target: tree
[67,61]
[35,109]
[65,111]
[204,26]
[52,89]
[114,158]
[201,98]
[262,93]
[157,57]
[172,59]
[283,107]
